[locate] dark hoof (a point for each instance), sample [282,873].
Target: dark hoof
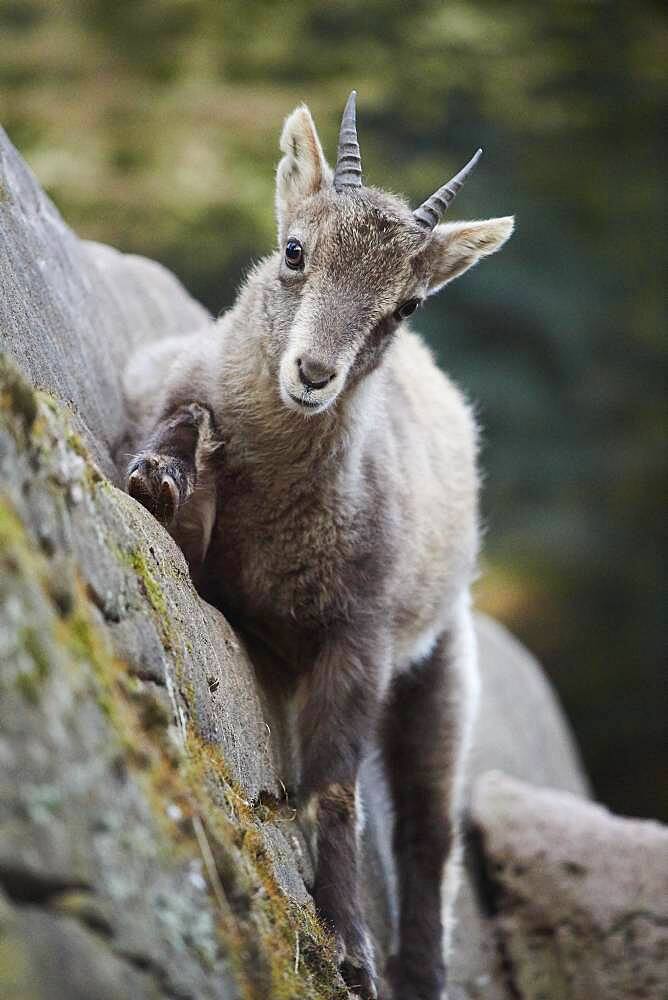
[407,981]
[357,966]
[161,485]
[359,979]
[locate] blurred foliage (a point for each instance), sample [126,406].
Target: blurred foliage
[154,126]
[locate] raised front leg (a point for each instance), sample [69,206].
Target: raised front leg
[338,710]
[174,477]
[426,730]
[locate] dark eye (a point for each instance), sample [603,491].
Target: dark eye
[406,308]
[294,254]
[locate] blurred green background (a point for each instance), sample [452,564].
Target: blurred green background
[154,126]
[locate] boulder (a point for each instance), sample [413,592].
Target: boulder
[579,897]
[148,846]
[521,728]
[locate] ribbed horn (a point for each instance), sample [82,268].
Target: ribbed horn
[431,211]
[348,171]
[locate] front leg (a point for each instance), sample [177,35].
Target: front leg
[337,716]
[173,476]
[162,476]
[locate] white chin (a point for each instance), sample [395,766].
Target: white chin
[307,407]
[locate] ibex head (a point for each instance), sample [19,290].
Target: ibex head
[354,262]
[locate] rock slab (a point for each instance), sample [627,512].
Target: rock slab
[579,897]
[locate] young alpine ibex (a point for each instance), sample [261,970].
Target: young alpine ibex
[319,472]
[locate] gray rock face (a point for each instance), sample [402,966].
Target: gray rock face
[146,845]
[141,805]
[71,311]
[580,897]
[521,729]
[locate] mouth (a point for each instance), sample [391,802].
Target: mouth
[309,404]
[303,401]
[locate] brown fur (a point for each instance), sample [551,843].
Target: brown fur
[343,535]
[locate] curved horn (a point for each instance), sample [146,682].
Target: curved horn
[348,171]
[431,211]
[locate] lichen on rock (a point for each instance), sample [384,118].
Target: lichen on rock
[117,815]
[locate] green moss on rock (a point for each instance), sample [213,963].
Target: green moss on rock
[30,682]
[275,947]
[151,588]
[16,394]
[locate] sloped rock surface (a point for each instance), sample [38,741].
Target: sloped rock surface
[515,692]
[70,311]
[146,845]
[579,896]
[141,827]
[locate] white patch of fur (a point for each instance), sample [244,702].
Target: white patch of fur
[424,645]
[464,665]
[296,397]
[312,808]
[360,818]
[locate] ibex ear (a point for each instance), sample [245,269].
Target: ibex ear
[304,169]
[456,246]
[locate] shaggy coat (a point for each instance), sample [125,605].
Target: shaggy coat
[319,472]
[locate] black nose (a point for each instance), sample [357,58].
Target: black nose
[313,374]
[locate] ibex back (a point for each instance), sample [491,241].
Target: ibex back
[319,472]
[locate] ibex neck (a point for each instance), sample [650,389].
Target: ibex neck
[286,445]
[283,439]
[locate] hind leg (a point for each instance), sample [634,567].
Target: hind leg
[425,737]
